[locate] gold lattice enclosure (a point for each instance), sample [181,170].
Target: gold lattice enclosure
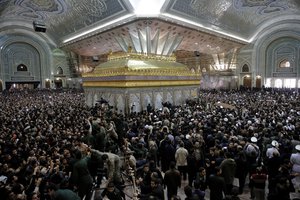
[140,70]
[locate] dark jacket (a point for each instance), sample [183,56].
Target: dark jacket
[65,194]
[172,180]
[217,186]
[228,167]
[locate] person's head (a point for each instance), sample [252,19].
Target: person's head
[253,139]
[172,165]
[152,164]
[202,171]
[228,155]
[154,175]
[181,144]
[78,154]
[51,188]
[165,129]
[104,157]
[275,144]
[188,191]
[259,170]
[218,170]
[212,151]
[146,168]
[110,187]
[20,197]
[154,182]
[35,196]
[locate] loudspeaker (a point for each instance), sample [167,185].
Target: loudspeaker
[39,26]
[197,53]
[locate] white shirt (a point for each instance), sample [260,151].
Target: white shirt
[270,152]
[181,156]
[252,148]
[295,160]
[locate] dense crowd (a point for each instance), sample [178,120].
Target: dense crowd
[54,146]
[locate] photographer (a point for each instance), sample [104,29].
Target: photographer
[113,164]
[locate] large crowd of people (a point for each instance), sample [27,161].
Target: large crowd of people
[54,146]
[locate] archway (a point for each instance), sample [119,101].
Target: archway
[26,59]
[59,71]
[245,68]
[47,83]
[247,81]
[58,83]
[258,82]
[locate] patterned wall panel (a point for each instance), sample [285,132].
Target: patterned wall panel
[123,99]
[120,104]
[63,17]
[61,61]
[89,98]
[135,104]
[147,99]
[158,96]
[282,49]
[22,53]
[178,97]
[169,97]
[194,93]
[95,98]
[186,93]
[110,98]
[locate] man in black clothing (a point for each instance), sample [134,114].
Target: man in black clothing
[216,185]
[172,180]
[157,191]
[82,177]
[111,192]
[144,179]
[228,167]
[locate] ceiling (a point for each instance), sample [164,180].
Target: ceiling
[94,27]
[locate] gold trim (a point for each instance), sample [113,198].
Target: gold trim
[140,56]
[140,72]
[132,84]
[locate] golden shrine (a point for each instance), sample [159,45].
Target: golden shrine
[131,81]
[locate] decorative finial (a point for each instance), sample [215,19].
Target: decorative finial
[129,50]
